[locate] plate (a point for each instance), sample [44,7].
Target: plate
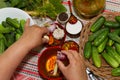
[14,13]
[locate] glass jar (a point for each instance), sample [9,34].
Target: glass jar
[88,8]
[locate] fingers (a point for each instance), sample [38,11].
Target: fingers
[75,54]
[60,65]
[44,30]
[69,55]
[27,23]
[45,40]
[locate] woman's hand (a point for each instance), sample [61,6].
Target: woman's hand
[33,35]
[76,69]
[12,57]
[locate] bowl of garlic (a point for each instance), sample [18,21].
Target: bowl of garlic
[56,36]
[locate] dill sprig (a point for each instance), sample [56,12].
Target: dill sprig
[41,8]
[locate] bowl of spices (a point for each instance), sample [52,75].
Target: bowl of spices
[70,45]
[63,17]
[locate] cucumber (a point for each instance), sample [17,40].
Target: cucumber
[110,60]
[10,38]
[113,53]
[13,22]
[5,24]
[19,31]
[110,42]
[115,35]
[101,47]
[94,35]
[117,18]
[3,37]
[101,38]
[96,57]
[17,36]
[87,50]
[112,24]
[117,47]
[116,71]
[2,45]
[97,24]
[22,24]
[5,30]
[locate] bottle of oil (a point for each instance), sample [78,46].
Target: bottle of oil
[88,8]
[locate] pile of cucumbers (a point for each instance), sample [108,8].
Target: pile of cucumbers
[10,31]
[104,41]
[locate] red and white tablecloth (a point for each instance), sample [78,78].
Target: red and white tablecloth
[27,70]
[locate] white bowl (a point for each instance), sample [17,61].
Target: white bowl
[14,13]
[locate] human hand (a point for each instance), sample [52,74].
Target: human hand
[76,69]
[33,35]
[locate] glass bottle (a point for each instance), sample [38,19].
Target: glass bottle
[88,8]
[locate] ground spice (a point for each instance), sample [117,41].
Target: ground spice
[63,16]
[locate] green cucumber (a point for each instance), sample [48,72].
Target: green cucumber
[5,29]
[87,50]
[17,36]
[94,35]
[13,22]
[110,42]
[97,24]
[96,57]
[101,38]
[115,35]
[110,60]
[5,24]
[10,38]
[117,47]
[113,53]
[22,24]
[101,47]
[116,71]
[2,45]
[112,24]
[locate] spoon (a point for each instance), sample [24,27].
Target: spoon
[72,18]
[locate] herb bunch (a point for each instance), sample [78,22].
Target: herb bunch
[41,8]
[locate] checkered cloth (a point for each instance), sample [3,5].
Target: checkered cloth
[28,69]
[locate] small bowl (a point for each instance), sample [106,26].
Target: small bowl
[42,63]
[70,45]
[57,42]
[73,30]
[63,17]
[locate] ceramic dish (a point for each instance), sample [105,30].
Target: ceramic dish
[46,63]
[73,30]
[70,45]
[14,13]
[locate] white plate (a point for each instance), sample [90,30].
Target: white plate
[14,13]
